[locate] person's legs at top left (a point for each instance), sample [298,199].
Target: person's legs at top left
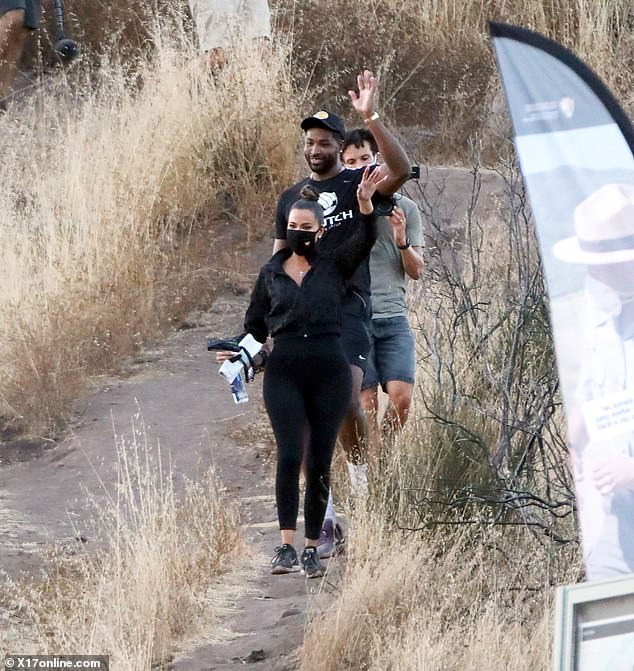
[17,19]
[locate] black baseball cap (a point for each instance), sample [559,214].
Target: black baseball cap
[327,120]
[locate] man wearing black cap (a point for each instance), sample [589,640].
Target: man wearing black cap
[337,186]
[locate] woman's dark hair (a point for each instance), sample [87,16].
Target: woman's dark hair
[309,200]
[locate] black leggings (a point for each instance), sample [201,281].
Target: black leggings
[306,383]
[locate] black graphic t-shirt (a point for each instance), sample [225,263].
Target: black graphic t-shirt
[338,197]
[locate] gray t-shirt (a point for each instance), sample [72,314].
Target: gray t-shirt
[386,268]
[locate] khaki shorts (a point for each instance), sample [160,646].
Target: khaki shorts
[220,22]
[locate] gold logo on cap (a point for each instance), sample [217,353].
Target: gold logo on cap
[321,115]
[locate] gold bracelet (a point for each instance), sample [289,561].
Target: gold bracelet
[374,117]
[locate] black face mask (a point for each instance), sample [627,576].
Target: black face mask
[302,242]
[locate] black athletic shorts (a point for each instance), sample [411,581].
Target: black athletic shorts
[32,11]
[355,331]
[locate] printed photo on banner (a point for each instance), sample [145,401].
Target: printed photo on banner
[574,146]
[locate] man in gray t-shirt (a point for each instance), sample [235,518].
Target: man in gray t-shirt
[396,257]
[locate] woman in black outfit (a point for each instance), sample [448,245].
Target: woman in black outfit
[297,300]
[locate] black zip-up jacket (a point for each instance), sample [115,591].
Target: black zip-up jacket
[281,308]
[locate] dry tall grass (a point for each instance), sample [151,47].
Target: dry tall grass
[152,583]
[434,56]
[435,585]
[107,181]
[438,602]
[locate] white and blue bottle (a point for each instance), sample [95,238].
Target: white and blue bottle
[238,390]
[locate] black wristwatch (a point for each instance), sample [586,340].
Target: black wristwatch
[405,246]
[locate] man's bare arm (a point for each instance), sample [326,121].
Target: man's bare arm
[413,264]
[411,257]
[396,166]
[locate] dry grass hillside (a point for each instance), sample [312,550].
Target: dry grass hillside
[434,57]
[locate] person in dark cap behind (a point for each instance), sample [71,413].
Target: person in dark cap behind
[337,186]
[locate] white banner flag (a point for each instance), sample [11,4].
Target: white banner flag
[575,147]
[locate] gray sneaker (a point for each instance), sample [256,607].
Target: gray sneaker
[284,560]
[331,540]
[311,566]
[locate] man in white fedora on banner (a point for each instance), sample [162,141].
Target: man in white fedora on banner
[601,421]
